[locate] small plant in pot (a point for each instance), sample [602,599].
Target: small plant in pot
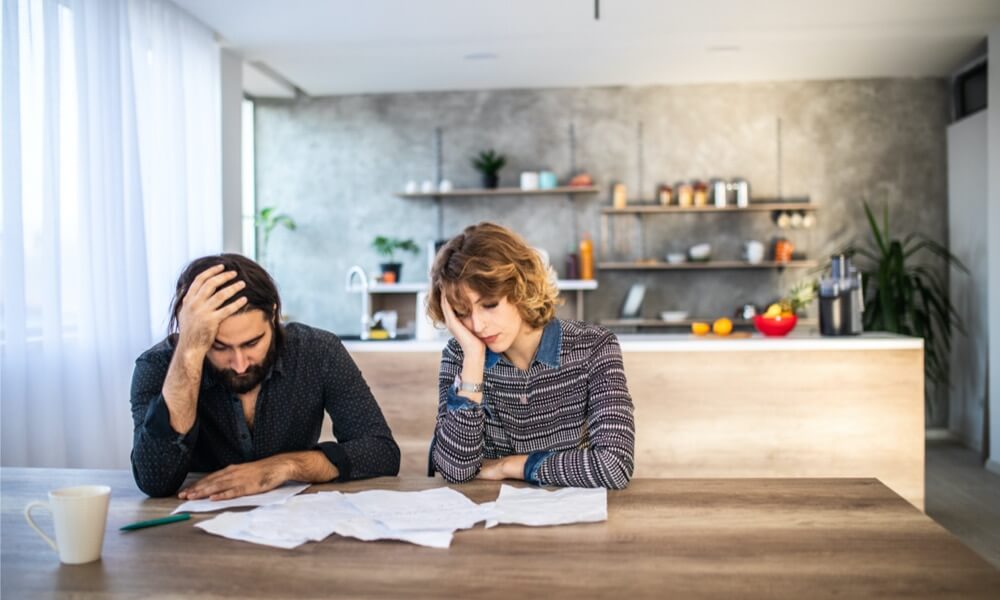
[489,163]
[387,247]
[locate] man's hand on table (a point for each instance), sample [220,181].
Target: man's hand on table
[239,480]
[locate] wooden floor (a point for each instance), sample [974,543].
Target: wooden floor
[964,497]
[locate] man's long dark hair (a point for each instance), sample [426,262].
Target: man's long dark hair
[260,291]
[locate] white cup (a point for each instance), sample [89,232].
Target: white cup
[427,187]
[753,251]
[80,515]
[529,180]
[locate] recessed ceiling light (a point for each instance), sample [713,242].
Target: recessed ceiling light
[723,48]
[481,56]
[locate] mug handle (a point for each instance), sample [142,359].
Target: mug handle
[27,515]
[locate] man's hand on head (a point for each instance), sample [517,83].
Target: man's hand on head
[202,309]
[240,480]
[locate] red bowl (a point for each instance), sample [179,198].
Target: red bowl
[774,326]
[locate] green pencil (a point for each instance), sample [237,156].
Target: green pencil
[155,522]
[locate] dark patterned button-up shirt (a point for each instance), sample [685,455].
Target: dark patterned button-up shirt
[312,374]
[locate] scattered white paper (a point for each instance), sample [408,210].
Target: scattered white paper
[313,518]
[232,525]
[538,507]
[435,509]
[275,496]
[428,518]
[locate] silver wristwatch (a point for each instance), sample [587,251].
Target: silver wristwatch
[461,386]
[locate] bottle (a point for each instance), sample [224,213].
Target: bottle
[572,263]
[586,257]
[742,192]
[700,193]
[619,196]
[720,191]
[664,193]
[685,194]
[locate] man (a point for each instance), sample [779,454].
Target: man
[234,392]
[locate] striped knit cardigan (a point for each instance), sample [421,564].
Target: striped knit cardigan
[571,409]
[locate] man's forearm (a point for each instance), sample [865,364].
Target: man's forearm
[180,388]
[311,466]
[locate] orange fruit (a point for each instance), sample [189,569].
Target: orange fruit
[699,328]
[722,326]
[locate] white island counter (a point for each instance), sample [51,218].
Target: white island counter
[798,406]
[638,342]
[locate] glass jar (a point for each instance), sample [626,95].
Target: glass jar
[700,193]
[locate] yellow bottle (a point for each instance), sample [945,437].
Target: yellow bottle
[586,258]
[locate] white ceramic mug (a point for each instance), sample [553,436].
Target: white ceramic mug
[80,515]
[753,251]
[529,180]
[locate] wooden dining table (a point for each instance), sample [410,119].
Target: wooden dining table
[685,538]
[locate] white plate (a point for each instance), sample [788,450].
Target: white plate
[674,316]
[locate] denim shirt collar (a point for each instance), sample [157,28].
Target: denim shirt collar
[548,348]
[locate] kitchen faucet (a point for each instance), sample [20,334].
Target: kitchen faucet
[362,277]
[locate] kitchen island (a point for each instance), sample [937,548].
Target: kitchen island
[799,406]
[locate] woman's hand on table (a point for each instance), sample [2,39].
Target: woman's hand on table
[508,467]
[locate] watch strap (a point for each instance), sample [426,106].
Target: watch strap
[462,386]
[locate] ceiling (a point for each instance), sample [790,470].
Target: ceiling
[332,47]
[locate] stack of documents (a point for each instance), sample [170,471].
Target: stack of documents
[428,518]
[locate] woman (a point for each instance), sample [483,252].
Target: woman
[523,395]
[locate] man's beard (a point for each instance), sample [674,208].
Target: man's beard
[241,383]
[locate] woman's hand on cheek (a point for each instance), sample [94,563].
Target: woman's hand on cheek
[466,339]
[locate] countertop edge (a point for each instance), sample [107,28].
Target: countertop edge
[691,343]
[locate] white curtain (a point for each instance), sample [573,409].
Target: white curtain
[111,182]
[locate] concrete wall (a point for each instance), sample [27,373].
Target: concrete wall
[335,164]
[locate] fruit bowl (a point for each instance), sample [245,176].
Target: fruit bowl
[775,326]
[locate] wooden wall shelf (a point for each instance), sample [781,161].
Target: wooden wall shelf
[480,192]
[754,207]
[700,266]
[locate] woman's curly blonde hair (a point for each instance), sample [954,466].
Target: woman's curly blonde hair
[496,263]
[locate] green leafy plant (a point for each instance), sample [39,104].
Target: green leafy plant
[267,220]
[907,297]
[387,247]
[489,163]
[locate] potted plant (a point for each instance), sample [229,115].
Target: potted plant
[489,163]
[267,220]
[387,247]
[907,298]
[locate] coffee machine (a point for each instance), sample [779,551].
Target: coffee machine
[841,299]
